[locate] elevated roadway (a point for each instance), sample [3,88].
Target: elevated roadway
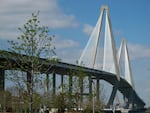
[7,61]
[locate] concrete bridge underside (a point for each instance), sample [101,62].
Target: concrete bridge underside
[66,69]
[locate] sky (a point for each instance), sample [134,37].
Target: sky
[71,21]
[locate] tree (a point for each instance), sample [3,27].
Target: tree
[5,100]
[33,44]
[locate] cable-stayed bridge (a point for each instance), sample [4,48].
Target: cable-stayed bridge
[98,62]
[117,63]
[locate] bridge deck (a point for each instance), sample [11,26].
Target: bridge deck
[66,69]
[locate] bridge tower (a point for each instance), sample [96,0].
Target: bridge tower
[88,56]
[125,67]
[111,61]
[109,56]
[125,70]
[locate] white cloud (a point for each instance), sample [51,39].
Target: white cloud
[69,56]
[138,51]
[14,13]
[87,29]
[64,43]
[67,50]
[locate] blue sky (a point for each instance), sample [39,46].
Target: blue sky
[72,21]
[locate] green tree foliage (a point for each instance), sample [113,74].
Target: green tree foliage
[33,44]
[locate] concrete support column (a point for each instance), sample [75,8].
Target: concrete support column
[125,101]
[54,84]
[2,89]
[70,84]
[90,88]
[97,90]
[62,83]
[131,101]
[2,80]
[29,79]
[112,97]
[81,89]
[70,88]
[47,84]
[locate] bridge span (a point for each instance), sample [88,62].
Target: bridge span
[62,68]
